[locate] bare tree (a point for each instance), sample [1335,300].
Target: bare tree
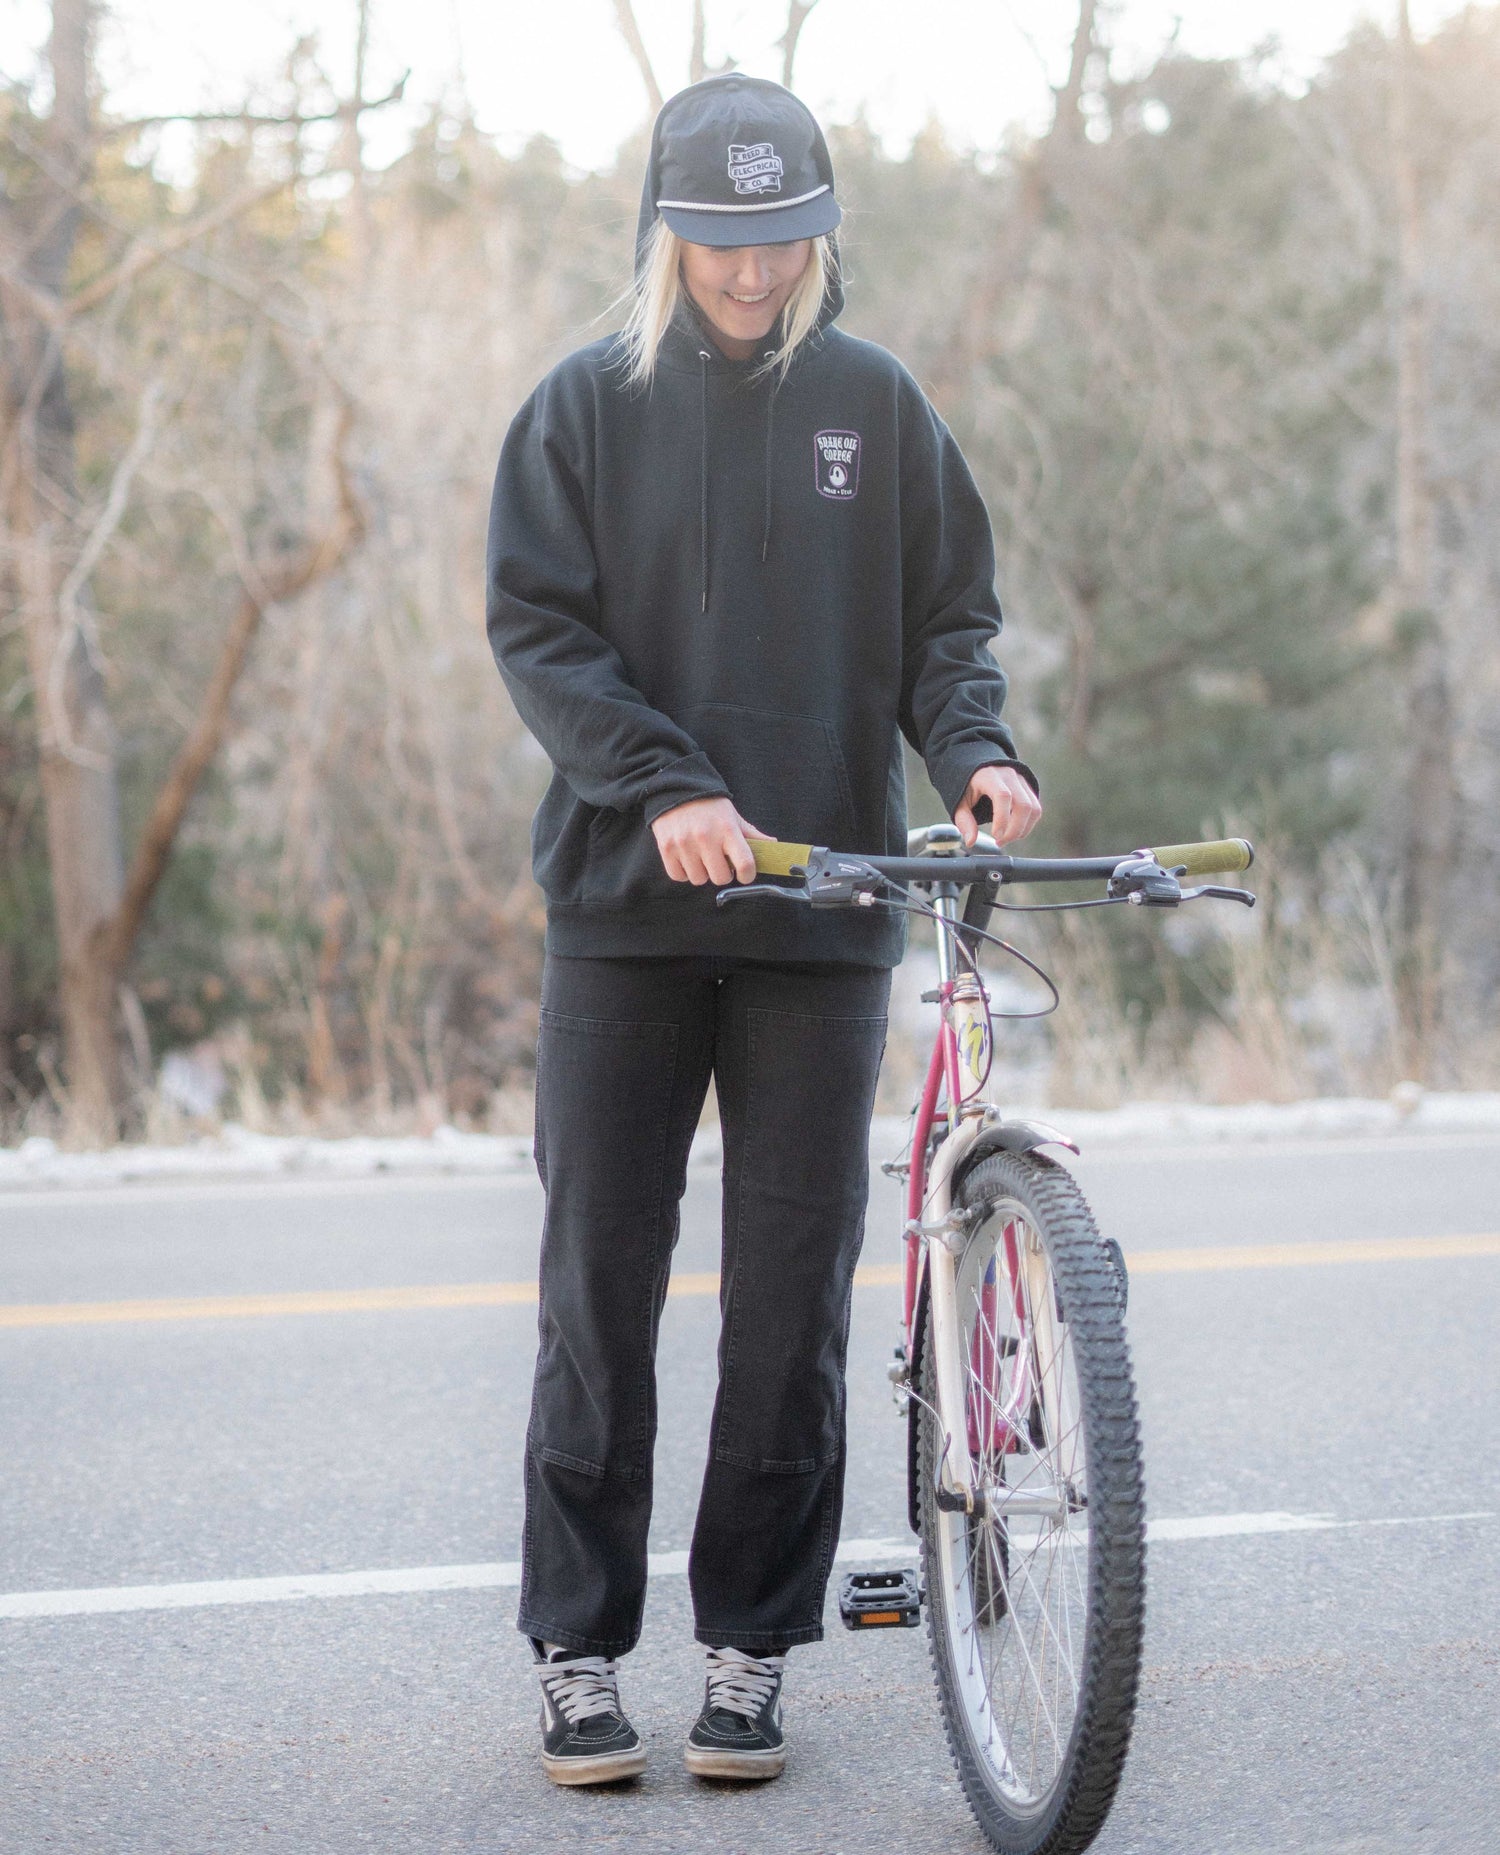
[1068,119]
[631,33]
[75,736]
[98,910]
[353,130]
[697,67]
[267,584]
[1431,794]
[796,18]
[1004,264]
[331,881]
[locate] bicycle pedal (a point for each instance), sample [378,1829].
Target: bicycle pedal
[880,1600]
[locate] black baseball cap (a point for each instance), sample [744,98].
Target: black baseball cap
[739,160]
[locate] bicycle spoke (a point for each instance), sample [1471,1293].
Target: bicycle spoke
[1043,1615]
[1018,1358]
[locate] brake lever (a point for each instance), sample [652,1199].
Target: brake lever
[1226,895]
[1141,879]
[743,891]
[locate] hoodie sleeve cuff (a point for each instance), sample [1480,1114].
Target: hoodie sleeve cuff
[694,776]
[952,778]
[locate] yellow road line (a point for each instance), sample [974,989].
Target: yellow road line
[1306,1255]
[1212,1257]
[311,1301]
[252,1307]
[875,1275]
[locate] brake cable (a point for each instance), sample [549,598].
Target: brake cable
[911,906]
[1045,908]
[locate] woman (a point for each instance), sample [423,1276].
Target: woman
[734,558]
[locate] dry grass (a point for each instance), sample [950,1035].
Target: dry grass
[1308,1009]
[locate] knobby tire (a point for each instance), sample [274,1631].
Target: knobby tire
[1090,1306]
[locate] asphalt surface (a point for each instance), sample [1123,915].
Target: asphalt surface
[1333,1690]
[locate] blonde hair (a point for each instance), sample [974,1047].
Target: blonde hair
[658,290]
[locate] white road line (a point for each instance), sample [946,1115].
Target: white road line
[496,1574]
[1239,1526]
[506,1573]
[107,1598]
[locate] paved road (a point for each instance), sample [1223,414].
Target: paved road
[1334,1690]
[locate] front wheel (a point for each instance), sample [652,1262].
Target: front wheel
[1035,1604]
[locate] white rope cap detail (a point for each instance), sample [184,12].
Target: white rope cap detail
[761,206]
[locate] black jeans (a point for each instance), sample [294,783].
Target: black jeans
[624,1056]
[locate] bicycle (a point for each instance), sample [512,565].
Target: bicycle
[1023,1445]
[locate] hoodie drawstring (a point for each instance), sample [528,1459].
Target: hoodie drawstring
[703,479]
[765,532]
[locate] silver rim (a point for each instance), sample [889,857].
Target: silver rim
[1014,1585]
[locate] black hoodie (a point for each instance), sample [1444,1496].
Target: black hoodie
[730,585]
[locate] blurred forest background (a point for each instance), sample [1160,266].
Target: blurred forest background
[1226,361]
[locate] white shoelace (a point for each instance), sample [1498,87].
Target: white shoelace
[582,1686]
[741,1683]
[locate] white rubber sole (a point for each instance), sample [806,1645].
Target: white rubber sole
[607,1768]
[754,1767]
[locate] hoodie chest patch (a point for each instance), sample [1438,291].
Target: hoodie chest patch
[836,458]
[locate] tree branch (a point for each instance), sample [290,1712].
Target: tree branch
[796,18]
[631,33]
[252,119]
[146,254]
[75,622]
[697,68]
[1067,117]
[1005,267]
[114,505]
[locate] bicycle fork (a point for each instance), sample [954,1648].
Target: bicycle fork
[964,1050]
[947,1233]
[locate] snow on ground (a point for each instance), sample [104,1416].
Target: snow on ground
[236,1152]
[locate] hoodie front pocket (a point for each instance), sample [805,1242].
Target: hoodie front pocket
[624,863]
[785,773]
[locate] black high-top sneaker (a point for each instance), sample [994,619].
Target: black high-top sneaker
[586,1739]
[738,1733]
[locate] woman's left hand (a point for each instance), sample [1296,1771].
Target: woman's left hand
[1014,807]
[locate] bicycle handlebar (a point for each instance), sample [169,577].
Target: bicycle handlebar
[774,858]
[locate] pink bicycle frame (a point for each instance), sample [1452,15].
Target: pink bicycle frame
[935,1113]
[939,1092]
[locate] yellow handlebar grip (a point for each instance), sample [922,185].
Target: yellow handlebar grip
[1227,853]
[773,858]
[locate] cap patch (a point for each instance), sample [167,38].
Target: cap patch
[837,457]
[755,167]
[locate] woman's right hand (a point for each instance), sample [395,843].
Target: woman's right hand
[703,840]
